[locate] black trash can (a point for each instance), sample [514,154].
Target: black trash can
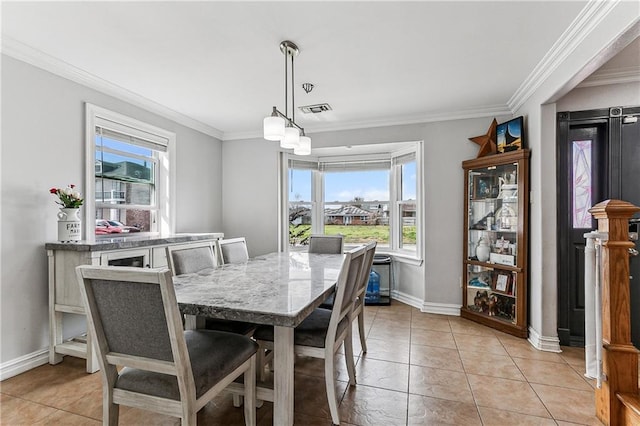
[382,271]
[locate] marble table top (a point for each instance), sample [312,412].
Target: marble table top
[279,289]
[126,241]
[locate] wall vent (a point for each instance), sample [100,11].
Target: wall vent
[315,109]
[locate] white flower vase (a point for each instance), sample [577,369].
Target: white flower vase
[483,250]
[69,225]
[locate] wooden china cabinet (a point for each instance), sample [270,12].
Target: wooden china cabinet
[495,254]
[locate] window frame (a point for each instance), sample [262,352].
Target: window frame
[395,193]
[165,180]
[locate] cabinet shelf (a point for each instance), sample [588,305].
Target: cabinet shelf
[495,224]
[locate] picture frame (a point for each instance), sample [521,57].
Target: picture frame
[484,186]
[510,135]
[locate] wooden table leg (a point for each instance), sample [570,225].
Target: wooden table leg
[283,364]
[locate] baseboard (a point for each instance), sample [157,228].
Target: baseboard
[441,308]
[544,343]
[406,299]
[24,363]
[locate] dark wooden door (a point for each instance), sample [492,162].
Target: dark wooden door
[630,191]
[598,159]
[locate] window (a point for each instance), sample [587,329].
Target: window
[365,197]
[128,176]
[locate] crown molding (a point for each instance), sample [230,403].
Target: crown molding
[25,53]
[481,112]
[590,16]
[613,76]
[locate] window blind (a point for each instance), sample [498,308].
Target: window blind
[355,165]
[124,133]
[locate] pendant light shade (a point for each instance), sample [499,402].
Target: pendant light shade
[304,147]
[273,128]
[291,138]
[279,126]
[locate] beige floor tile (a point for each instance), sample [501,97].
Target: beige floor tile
[429,323]
[315,367]
[481,344]
[367,406]
[390,332]
[17,411]
[504,394]
[490,365]
[494,417]
[382,350]
[442,339]
[437,383]
[393,315]
[433,356]
[573,356]
[382,374]
[64,418]
[311,397]
[463,326]
[571,405]
[551,373]
[424,410]
[523,349]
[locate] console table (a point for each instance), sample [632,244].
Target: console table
[64,291]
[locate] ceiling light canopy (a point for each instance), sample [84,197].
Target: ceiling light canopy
[279,126]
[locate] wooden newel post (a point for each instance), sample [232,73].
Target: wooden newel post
[619,357]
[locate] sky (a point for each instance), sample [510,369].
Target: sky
[345,186]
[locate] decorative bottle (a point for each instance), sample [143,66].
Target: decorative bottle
[373,288]
[483,250]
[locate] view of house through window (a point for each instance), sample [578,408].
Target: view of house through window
[125,184]
[129,176]
[362,199]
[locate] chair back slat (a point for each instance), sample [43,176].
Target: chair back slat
[326,244]
[187,259]
[345,289]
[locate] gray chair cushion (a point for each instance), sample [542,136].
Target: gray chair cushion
[328,302]
[213,354]
[325,244]
[192,260]
[237,327]
[234,252]
[311,332]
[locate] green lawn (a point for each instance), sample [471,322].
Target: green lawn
[355,233]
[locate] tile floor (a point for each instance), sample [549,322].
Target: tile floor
[420,369]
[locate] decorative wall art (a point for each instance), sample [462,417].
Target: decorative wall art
[510,135]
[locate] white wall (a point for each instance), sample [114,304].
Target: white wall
[250,179]
[586,98]
[43,146]
[606,38]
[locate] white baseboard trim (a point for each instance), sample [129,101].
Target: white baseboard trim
[24,363]
[406,299]
[544,343]
[428,307]
[441,308]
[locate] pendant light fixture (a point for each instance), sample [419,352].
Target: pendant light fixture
[279,126]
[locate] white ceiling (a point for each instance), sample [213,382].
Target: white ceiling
[375,63]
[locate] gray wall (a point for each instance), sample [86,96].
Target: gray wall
[43,146]
[252,180]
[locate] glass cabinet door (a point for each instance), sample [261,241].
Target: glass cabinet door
[492,220]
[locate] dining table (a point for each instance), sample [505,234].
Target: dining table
[278,289]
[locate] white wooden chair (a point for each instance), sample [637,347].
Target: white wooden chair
[134,316]
[194,257]
[322,333]
[233,250]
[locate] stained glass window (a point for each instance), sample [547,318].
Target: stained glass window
[581,202]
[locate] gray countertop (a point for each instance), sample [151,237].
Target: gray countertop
[277,289]
[130,241]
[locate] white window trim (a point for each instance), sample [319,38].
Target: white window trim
[317,226]
[166,185]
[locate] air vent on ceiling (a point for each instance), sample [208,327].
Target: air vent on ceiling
[315,109]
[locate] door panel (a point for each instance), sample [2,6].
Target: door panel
[611,142]
[630,191]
